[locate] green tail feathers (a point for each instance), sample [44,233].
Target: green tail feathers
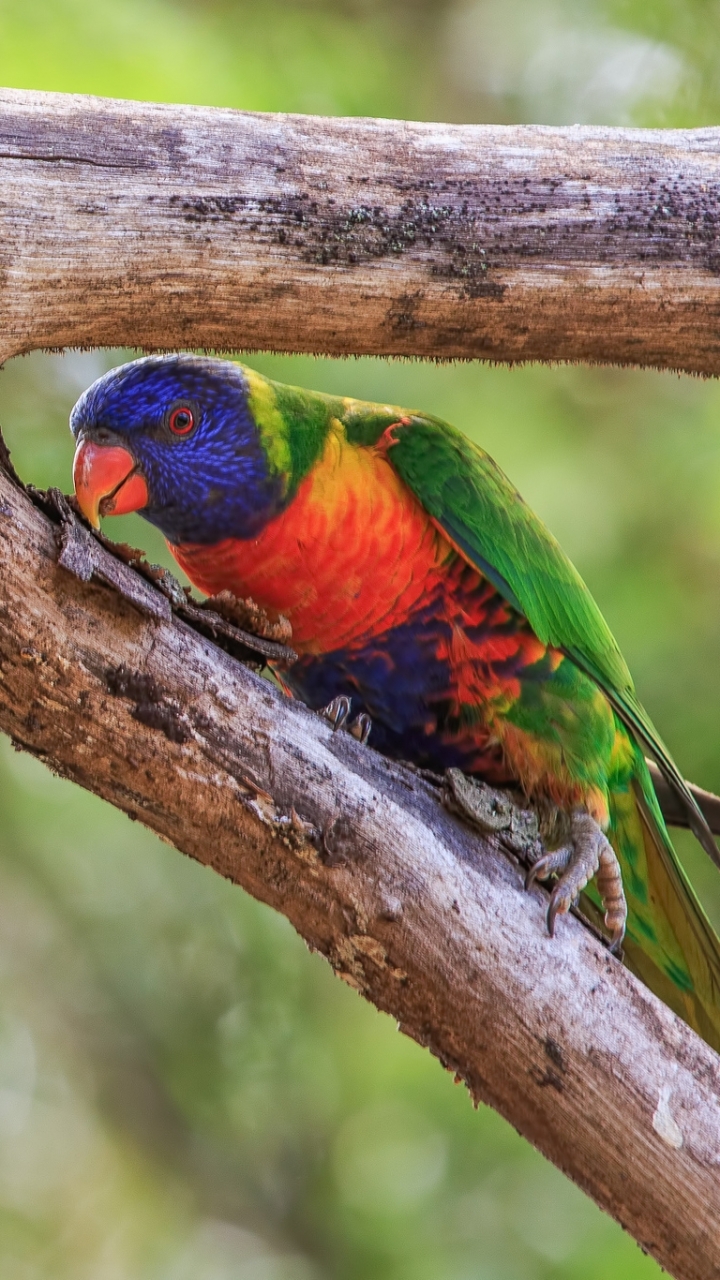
[670,944]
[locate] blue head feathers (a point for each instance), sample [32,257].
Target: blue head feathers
[186,422]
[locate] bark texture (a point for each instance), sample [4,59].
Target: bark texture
[128,224]
[102,681]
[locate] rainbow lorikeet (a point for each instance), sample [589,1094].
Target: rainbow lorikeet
[420,586]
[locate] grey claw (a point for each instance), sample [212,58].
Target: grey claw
[360,727]
[550,918]
[559,906]
[337,712]
[547,865]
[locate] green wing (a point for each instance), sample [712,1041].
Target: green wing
[490,524]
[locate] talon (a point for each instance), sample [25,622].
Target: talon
[550,918]
[591,855]
[337,712]
[548,865]
[360,727]
[560,903]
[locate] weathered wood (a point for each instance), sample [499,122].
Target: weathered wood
[426,920]
[166,226]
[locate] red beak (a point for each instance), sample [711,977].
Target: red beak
[107,482]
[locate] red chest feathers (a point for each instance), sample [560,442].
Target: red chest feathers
[353,554]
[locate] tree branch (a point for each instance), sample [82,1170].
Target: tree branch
[425,919]
[128,224]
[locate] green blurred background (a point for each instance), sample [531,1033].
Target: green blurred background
[185,1092]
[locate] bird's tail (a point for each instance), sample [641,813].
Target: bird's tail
[670,944]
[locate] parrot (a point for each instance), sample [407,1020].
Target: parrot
[425,593]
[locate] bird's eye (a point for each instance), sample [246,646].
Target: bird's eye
[181,420]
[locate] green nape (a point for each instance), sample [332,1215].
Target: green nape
[307,418]
[294,422]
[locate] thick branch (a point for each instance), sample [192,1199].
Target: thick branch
[430,923]
[135,224]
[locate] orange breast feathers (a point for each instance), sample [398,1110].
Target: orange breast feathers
[350,557]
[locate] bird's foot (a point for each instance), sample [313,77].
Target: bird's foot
[338,713]
[360,727]
[588,854]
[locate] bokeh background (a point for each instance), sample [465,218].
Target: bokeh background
[185,1092]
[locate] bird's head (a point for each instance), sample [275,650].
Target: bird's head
[174,437]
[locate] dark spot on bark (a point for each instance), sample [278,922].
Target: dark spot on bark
[402,315]
[208,208]
[554,1053]
[161,717]
[545,1079]
[149,709]
[337,841]
[122,682]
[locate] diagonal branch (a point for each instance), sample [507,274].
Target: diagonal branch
[426,920]
[130,224]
